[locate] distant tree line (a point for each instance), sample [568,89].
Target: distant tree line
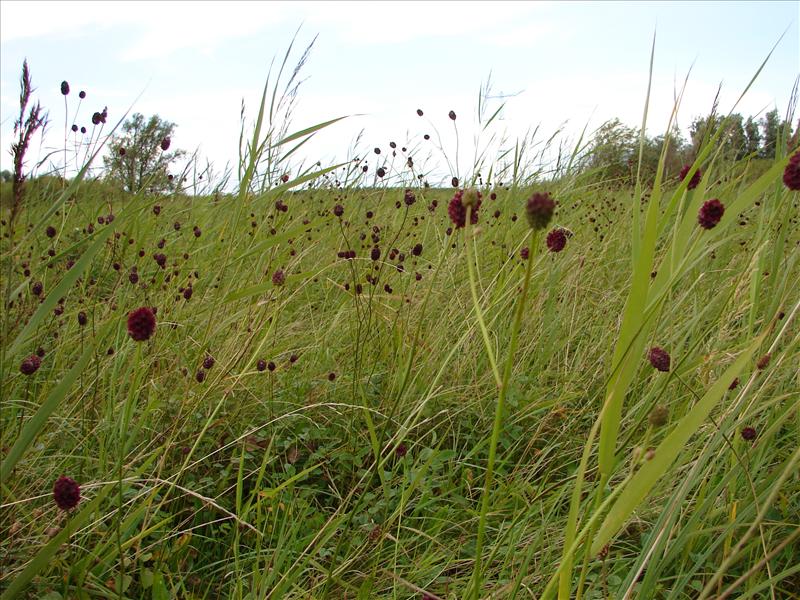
[614,151]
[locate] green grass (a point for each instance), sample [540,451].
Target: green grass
[357,468]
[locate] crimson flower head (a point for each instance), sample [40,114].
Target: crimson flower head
[556,240]
[659,358]
[66,493]
[791,174]
[141,324]
[30,365]
[539,210]
[165,143]
[457,209]
[278,277]
[64,88]
[748,434]
[698,175]
[710,213]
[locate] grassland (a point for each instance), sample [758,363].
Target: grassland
[326,433]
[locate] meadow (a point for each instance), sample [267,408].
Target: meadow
[318,389]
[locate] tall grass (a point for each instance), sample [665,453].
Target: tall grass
[438,430]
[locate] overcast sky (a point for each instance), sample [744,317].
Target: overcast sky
[193,63]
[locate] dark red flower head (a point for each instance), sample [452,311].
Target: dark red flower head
[50,231]
[457,209]
[659,358]
[64,88]
[278,277]
[338,210]
[791,174]
[165,143]
[556,240]
[698,175]
[539,210]
[66,493]
[452,115]
[409,197]
[524,253]
[748,433]
[710,213]
[141,324]
[30,365]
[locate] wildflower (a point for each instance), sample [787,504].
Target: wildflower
[200,376]
[659,358]
[82,318]
[156,210]
[165,143]
[96,118]
[50,231]
[133,277]
[452,115]
[64,88]
[261,365]
[419,112]
[66,493]
[401,451]
[278,277]
[556,240]
[36,288]
[338,210]
[208,362]
[30,365]
[81,94]
[658,416]
[380,172]
[285,178]
[710,213]
[539,210]
[524,253]
[457,209]
[331,376]
[409,198]
[791,174]
[161,259]
[271,366]
[698,175]
[416,250]
[748,434]
[375,254]
[141,323]
[763,362]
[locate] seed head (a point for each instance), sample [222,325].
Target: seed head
[556,240]
[30,365]
[81,94]
[763,362]
[659,358]
[748,434]
[165,143]
[50,231]
[539,210]
[698,175]
[200,376]
[208,362]
[141,324]
[338,210]
[82,318]
[409,197]
[261,365]
[791,174]
[64,88]
[452,115]
[658,416]
[710,213]
[66,493]
[37,288]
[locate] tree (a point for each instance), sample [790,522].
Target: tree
[140,156]
[752,137]
[770,124]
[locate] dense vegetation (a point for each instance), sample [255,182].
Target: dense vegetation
[402,391]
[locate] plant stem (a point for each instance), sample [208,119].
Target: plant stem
[501,398]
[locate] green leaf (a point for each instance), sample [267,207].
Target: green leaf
[643,481]
[35,425]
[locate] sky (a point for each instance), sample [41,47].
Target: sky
[554,66]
